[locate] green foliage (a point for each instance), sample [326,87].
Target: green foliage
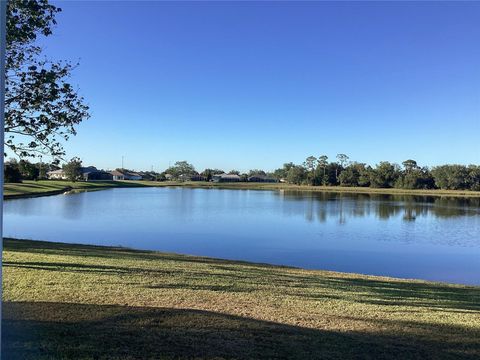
[181,168]
[256,172]
[41,106]
[384,175]
[355,174]
[11,172]
[451,177]
[282,172]
[28,170]
[296,175]
[73,169]
[415,178]
[474,177]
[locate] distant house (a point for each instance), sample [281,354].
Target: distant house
[226,178]
[125,175]
[261,178]
[148,176]
[95,175]
[168,177]
[194,177]
[56,175]
[89,173]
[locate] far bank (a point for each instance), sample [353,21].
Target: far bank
[53,187]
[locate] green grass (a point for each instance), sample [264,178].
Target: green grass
[46,187]
[50,187]
[88,302]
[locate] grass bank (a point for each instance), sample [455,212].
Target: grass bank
[52,187]
[88,302]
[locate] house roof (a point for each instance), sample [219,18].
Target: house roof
[116,173]
[228,176]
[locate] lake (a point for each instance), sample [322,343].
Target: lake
[432,238]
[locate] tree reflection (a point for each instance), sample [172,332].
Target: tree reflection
[342,206]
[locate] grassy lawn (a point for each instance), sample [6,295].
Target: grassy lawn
[46,187]
[28,188]
[85,302]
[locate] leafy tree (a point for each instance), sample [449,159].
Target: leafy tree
[384,175]
[234,172]
[282,172]
[11,172]
[474,177]
[28,170]
[181,168]
[256,172]
[322,164]
[342,159]
[451,177]
[208,173]
[296,175]
[352,175]
[415,178]
[409,165]
[310,163]
[41,106]
[73,169]
[42,171]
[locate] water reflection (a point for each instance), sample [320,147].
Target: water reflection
[426,237]
[321,206]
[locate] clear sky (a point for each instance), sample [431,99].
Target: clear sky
[253,85]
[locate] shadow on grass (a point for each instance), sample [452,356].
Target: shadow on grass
[236,276]
[80,331]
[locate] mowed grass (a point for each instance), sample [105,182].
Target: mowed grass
[29,188]
[47,187]
[87,302]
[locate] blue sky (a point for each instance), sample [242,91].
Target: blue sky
[253,85]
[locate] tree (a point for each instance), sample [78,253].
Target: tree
[322,164]
[41,107]
[234,172]
[415,178]
[28,170]
[73,169]
[451,177]
[11,172]
[474,177]
[352,174]
[310,164]
[256,172]
[282,172]
[342,160]
[296,175]
[409,165]
[384,175]
[181,168]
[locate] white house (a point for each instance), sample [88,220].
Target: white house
[125,175]
[56,175]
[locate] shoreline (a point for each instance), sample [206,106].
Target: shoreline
[53,244]
[29,189]
[66,300]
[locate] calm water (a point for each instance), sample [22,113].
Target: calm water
[410,237]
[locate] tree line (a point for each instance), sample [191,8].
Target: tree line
[314,171]
[409,175]
[319,171]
